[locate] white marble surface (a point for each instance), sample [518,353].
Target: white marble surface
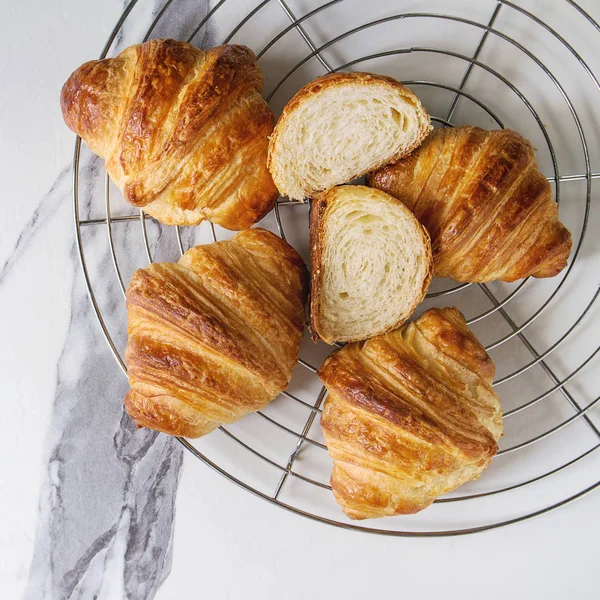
[87,503]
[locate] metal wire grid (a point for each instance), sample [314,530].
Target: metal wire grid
[537,358]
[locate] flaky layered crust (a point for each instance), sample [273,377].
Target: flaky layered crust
[410,415]
[488,209]
[184,131]
[315,222]
[214,336]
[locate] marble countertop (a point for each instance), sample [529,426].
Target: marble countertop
[93,508]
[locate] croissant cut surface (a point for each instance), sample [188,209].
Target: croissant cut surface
[340,126]
[214,336]
[488,209]
[410,415]
[184,131]
[370,263]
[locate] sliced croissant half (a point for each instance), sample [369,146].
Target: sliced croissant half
[370,263]
[488,209]
[410,415]
[339,127]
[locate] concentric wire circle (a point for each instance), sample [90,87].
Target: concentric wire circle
[304,430]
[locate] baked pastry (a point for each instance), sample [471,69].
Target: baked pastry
[339,127]
[410,415]
[184,131]
[488,209]
[214,336]
[370,263]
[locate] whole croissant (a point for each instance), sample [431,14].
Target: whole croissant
[488,209]
[184,131]
[214,336]
[410,415]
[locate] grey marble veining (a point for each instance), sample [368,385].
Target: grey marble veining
[46,208]
[107,506]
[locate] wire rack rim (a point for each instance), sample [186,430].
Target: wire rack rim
[588,176]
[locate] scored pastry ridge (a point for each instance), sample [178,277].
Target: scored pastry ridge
[215,336]
[184,131]
[410,415]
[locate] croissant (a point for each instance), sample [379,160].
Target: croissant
[214,336]
[370,263]
[488,209]
[184,131]
[339,127]
[410,415]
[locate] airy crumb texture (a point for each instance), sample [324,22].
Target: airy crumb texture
[341,126]
[370,260]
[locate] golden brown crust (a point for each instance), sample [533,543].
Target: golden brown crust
[318,207]
[410,415]
[333,80]
[216,335]
[184,131]
[317,217]
[486,205]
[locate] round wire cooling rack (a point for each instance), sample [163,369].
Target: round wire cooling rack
[477,63]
